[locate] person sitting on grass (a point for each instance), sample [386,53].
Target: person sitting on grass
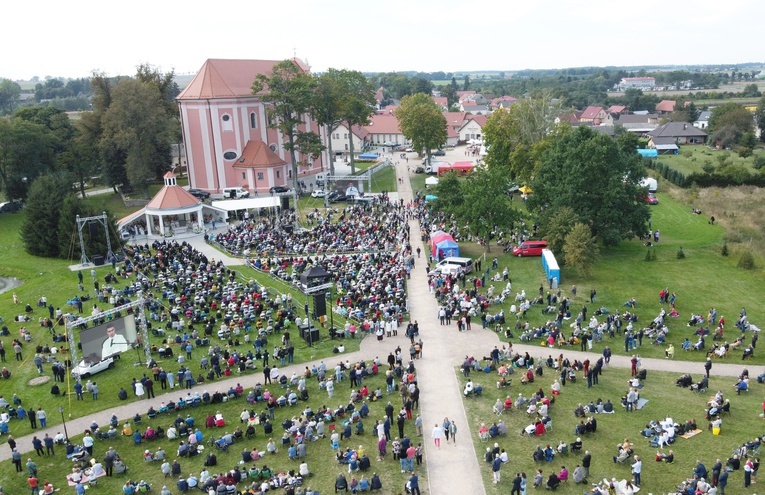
[552,482]
[668,457]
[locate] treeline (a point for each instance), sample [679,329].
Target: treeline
[723,176]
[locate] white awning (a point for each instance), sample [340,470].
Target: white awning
[247,204]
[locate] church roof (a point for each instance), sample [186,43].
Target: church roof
[257,154]
[228,78]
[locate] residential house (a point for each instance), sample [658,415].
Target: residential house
[473,128]
[665,106]
[645,83]
[595,116]
[702,122]
[341,139]
[570,118]
[442,103]
[455,120]
[677,133]
[641,123]
[225,129]
[502,102]
[379,97]
[616,110]
[463,95]
[471,107]
[384,129]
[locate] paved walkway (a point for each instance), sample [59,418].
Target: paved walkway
[452,468]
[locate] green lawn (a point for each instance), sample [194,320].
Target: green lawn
[320,457]
[702,280]
[664,400]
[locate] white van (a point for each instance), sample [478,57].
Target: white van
[235,193]
[445,270]
[465,263]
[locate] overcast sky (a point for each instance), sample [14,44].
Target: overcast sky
[73,38]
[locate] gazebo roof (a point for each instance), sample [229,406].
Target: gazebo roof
[172,196]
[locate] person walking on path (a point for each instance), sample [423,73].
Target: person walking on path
[453,432]
[708,366]
[438,434]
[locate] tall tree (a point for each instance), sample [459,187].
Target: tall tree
[598,179]
[516,136]
[137,127]
[759,117]
[43,212]
[581,249]
[422,122]
[289,91]
[729,123]
[479,202]
[26,151]
[343,96]
[10,92]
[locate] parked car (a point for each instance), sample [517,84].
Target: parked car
[198,193]
[530,248]
[651,199]
[337,198]
[409,149]
[86,368]
[439,153]
[419,170]
[11,206]
[318,193]
[279,190]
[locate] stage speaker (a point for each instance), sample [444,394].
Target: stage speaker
[98,260]
[285,203]
[319,305]
[93,228]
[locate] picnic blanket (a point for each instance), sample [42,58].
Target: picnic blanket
[691,433]
[641,403]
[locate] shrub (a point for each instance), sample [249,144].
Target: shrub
[647,255]
[724,250]
[746,261]
[759,161]
[680,253]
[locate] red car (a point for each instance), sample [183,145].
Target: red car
[651,199]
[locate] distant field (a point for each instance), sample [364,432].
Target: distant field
[699,156]
[735,88]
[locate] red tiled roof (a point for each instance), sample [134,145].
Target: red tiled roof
[616,109]
[257,154]
[441,100]
[478,119]
[666,106]
[383,124]
[455,119]
[506,98]
[227,78]
[172,198]
[590,113]
[460,94]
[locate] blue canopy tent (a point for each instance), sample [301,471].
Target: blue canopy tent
[430,197]
[368,156]
[648,153]
[448,247]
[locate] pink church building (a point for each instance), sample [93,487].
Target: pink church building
[226,134]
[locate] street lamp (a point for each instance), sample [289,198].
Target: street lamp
[328,296]
[66,433]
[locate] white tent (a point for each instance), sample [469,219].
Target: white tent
[247,204]
[431,181]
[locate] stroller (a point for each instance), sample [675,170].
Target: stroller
[701,386]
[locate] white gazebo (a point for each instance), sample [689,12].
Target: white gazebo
[172,211]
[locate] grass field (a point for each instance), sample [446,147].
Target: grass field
[693,158]
[664,400]
[320,458]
